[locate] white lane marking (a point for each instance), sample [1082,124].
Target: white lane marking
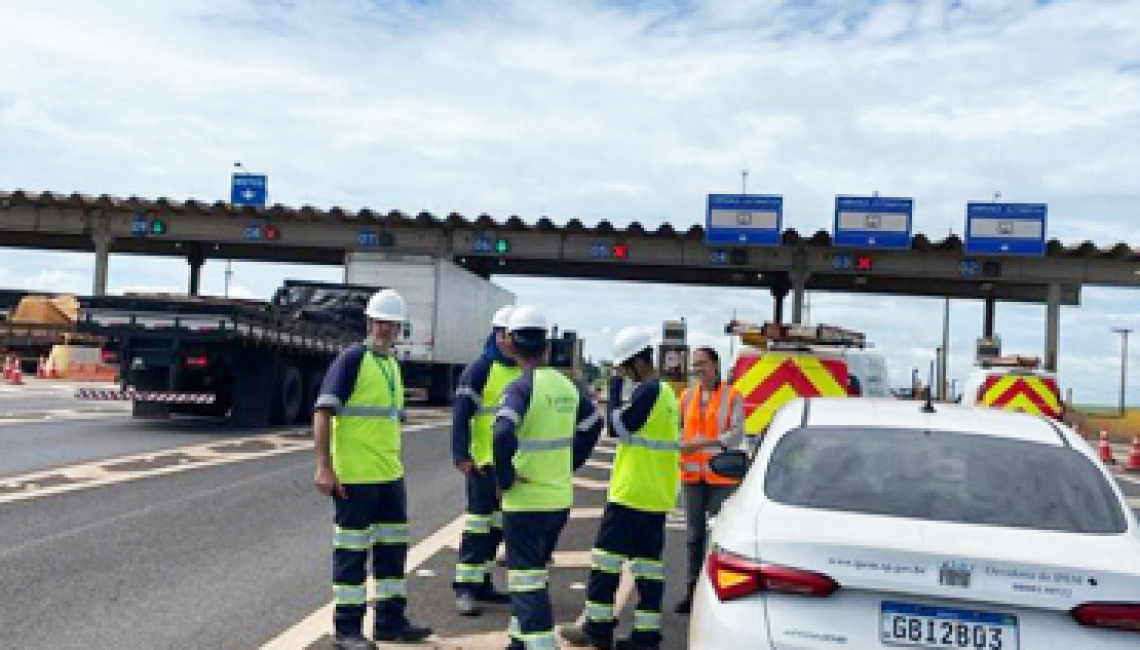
[590,484]
[586,513]
[1130,479]
[571,559]
[89,475]
[319,623]
[52,415]
[599,464]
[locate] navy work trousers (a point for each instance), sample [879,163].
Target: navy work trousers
[372,520]
[482,533]
[530,540]
[636,536]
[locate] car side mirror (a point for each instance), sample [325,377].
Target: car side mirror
[730,464]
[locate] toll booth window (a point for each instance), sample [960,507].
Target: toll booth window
[560,353]
[854,388]
[406,331]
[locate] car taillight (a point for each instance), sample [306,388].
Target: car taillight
[1118,616]
[198,362]
[109,356]
[733,576]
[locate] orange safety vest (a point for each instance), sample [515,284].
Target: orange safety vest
[706,425]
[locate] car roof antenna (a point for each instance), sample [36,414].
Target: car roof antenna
[928,407]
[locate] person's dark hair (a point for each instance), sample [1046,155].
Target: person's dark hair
[530,343]
[645,355]
[712,354]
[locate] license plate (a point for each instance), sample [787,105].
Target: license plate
[923,626]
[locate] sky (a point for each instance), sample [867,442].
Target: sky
[623,110]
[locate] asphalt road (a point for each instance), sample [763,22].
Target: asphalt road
[232,555]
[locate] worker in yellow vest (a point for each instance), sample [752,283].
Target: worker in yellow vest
[712,420]
[643,489]
[477,398]
[356,424]
[545,429]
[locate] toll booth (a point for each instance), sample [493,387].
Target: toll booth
[673,355]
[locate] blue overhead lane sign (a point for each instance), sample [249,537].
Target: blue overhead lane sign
[873,221]
[744,219]
[1005,228]
[250,190]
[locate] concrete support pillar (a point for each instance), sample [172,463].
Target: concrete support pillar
[988,323]
[799,290]
[195,258]
[102,261]
[779,285]
[1052,326]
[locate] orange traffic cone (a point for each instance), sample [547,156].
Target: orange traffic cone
[17,376]
[41,368]
[8,368]
[1133,464]
[1104,449]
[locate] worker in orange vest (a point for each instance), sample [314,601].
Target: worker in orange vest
[712,419]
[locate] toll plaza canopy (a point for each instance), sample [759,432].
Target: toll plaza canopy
[198,230]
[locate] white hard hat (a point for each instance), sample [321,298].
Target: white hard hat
[526,318]
[502,317]
[387,305]
[630,341]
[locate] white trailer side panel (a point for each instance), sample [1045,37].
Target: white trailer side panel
[449,308]
[466,304]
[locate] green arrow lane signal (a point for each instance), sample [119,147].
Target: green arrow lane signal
[157,227]
[502,246]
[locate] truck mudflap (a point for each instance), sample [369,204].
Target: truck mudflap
[161,397]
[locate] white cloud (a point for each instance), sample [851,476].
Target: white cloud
[618,111]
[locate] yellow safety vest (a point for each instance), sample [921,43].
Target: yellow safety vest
[645,467]
[365,441]
[482,423]
[544,462]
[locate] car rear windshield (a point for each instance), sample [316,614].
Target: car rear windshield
[943,476]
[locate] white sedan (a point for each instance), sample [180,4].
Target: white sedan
[868,523]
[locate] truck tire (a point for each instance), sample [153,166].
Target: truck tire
[313,382]
[288,395]
[250,395]
[444,379]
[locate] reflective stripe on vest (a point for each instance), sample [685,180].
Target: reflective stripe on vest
[544,460]
[547,444]
[700,426]
[645,467]
[365,441]
[499,376]
[371,412]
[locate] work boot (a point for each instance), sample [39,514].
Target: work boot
[488,594]
[353,642]
[576,636]
[407,634]
[465,604]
